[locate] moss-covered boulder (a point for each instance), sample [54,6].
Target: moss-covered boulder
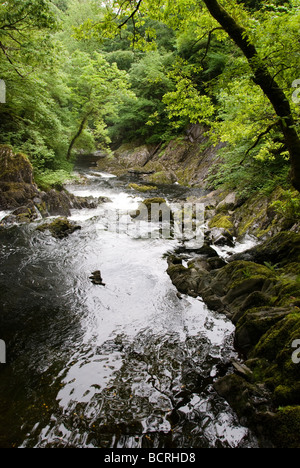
[186,280]
[59,228]
[247,399]
[14,167]
[273,357]
[284,427]
[19,192]
[222,221]
[254,324]
[16,179]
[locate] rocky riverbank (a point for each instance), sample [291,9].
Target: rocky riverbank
[259,290]
[186,160]
[20,195]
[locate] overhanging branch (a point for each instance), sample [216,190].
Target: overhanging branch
[132,15]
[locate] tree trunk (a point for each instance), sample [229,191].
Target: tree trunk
[264,79]
[81,127]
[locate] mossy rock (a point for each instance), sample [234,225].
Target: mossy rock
[276,344]
[15,167]
[286,394]
[239,271]
[222,221]
[142,188]
[285,427]
[275,365]
[163,178]
[60,228]
[146,212]
[254,324]
[184,279]
[245,398]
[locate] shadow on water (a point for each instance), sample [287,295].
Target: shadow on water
[126,365]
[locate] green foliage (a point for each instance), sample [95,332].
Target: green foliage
[46,180]
[288,206]
[82,75]
[185,104]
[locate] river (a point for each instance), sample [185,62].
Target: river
[129,364]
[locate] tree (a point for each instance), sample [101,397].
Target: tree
[97,89]
[22,28]
[264,79]
[34,117]
[231,19]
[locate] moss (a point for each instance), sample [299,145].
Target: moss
[184,176]
[240,270]
[157,200]
[285,427]
[279,338]
[280,373]
[281,249]
[142,188]
[162,177]
[60,228]
[221,221]
[14,167]
[287,393]
[288,293]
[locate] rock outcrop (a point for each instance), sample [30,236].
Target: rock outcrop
[187,160]
[20,194]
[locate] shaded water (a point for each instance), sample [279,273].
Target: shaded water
[125,365]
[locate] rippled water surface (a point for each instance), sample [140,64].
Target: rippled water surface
[125,365]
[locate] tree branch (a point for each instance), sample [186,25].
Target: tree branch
[208,43]
[80,130]
[131,16]
[3,48]
[260,136]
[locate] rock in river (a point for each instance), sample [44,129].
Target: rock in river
[59,228]
[96,278]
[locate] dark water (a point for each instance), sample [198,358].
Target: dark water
[125,365]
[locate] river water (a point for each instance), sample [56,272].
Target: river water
[128,364]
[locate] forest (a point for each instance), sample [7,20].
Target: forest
[89,75]
[119,329]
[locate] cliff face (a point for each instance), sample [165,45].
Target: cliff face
[191,157]
[187,159]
